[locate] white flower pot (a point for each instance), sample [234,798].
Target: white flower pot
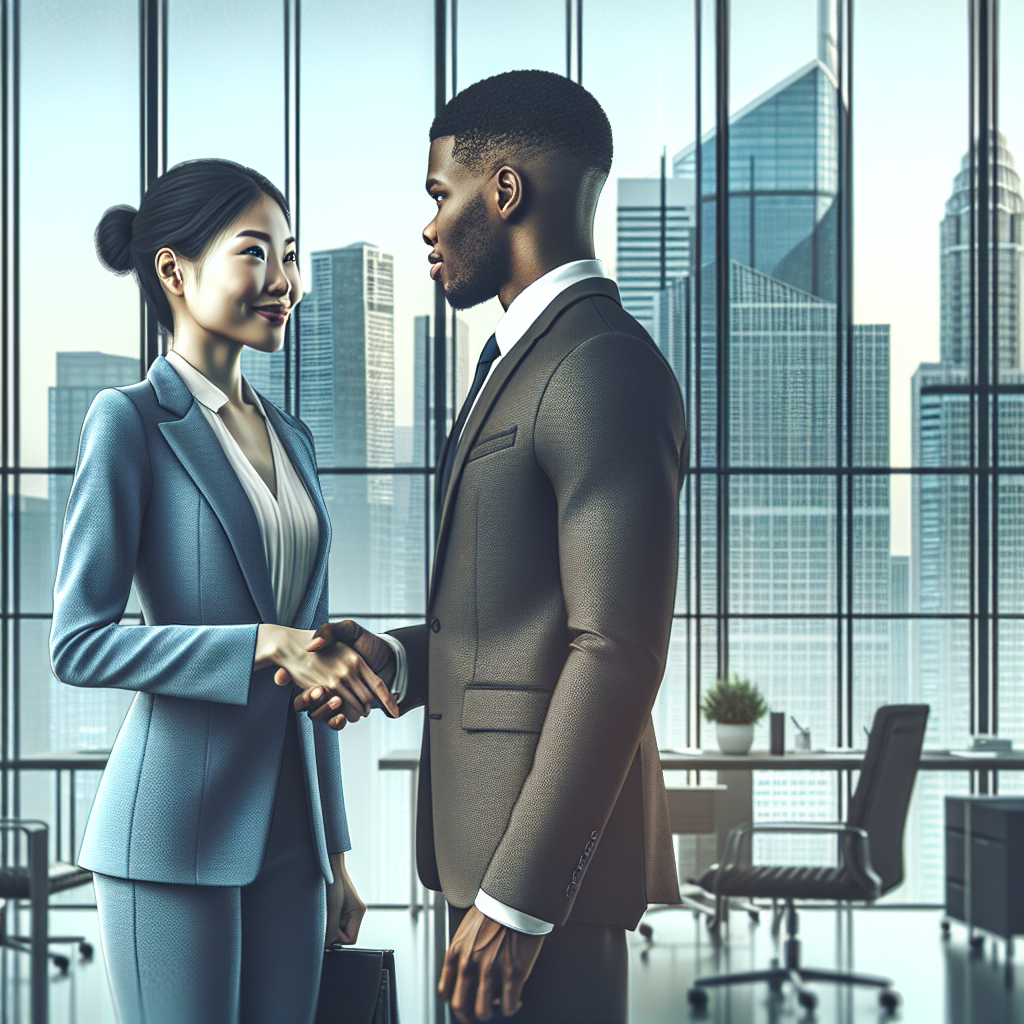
[734,739]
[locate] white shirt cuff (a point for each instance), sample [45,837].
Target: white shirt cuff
[509,916]
[401,681]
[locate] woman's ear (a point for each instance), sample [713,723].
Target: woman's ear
[169,271]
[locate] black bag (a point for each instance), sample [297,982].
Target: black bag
[357,986]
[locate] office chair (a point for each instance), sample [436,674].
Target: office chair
[870,858]
[35,881]
[693,811]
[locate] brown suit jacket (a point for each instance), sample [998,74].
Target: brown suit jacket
[549,616]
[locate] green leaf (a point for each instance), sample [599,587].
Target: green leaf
[734,701]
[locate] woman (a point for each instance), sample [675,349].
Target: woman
[220,815]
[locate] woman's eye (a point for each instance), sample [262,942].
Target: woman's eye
[292,256]
[254,250]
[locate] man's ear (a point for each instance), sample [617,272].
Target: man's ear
[509,192]
[169,271]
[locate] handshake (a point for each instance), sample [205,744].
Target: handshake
[341,670]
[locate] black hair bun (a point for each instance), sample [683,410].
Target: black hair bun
[114,239]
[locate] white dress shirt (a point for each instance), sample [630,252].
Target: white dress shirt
[288,523]
[520,316]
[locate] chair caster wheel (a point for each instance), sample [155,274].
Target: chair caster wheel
[889,1000]
[61,963]
[646,931]
[698,998]
[85,948]
[808,1000]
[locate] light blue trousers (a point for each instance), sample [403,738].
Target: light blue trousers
[201,954]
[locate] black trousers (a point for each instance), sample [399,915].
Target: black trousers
[580,977]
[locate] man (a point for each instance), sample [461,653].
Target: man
[542,809]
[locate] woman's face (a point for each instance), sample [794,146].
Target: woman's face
[247,283]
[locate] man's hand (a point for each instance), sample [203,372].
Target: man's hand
[487,964]
[336,674]
[376,653]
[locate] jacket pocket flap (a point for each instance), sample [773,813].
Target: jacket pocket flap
[504,709]
[494,443]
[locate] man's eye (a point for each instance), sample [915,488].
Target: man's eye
[254,250]
[438,196]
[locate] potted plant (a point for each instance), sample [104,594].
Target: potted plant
[735,706]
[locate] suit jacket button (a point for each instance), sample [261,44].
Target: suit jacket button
[435,624]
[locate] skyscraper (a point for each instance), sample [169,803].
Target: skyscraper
[783,182]
[456,374]
[639,271]
[955,261]
[899,631]
[347,400]
[942,511]
[785,533]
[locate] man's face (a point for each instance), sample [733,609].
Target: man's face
[465,237]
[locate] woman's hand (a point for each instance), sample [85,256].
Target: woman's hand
[338,673]
[345,909]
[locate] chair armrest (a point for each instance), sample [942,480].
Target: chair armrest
[37,833]
[26,825]
[854,847]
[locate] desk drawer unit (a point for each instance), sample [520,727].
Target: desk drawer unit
[985,863]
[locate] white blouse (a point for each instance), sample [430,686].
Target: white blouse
[288,523]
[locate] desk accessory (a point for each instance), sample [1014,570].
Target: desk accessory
[735,706]
[803,736]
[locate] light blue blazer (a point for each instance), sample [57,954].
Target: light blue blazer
[189,788]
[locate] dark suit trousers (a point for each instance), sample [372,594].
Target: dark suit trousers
[580,977]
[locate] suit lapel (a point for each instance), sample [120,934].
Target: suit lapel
[196,447]
[494,387]
[298,450]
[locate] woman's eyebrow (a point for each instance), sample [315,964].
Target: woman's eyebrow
[262,235]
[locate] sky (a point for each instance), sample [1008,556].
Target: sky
[366,105]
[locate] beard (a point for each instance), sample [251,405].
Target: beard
[478,272]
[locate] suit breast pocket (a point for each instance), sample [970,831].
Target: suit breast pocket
[493,443]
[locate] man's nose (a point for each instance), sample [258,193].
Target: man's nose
[430,233]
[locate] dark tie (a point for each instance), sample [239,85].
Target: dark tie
[489,354]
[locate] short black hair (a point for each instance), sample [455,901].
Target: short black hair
[185,209]
[522,112]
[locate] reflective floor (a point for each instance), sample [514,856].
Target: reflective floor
[941,982]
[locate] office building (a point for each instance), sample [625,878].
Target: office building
[955,261]
[899,630]
[457,357]
[784,528]
[347,400]
[654,234]
[942,510]
[783,182]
